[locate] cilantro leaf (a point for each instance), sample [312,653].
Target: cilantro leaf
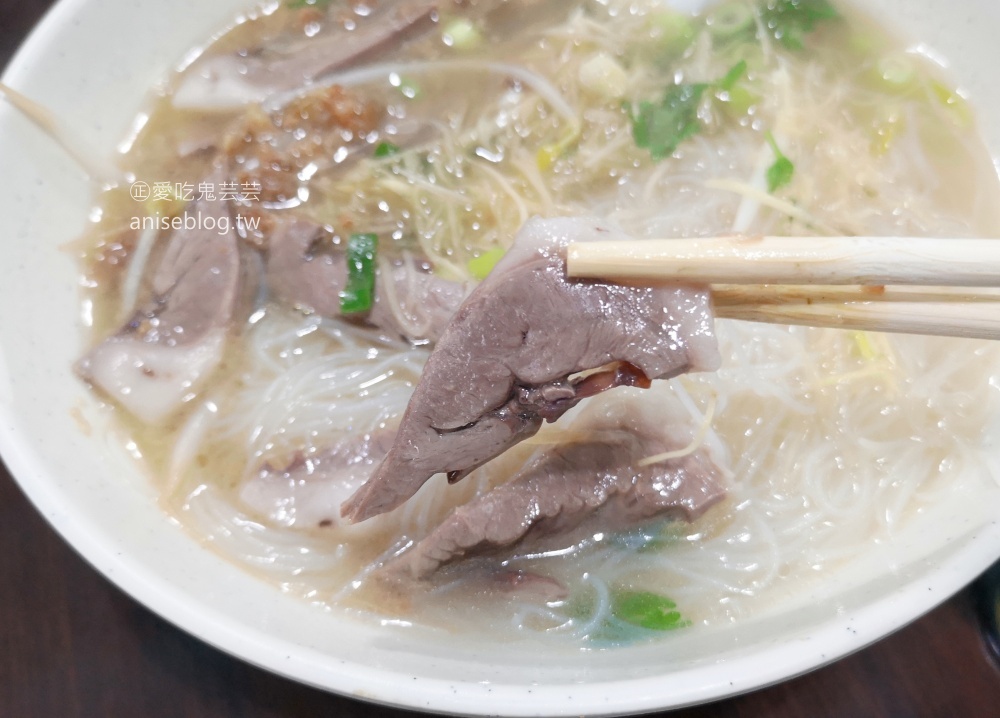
[789,21]
[300,4]
[780,173]
[647,610]
[661,127]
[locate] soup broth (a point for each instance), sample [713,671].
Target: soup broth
[833,441]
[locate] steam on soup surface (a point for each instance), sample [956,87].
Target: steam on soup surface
[328,181]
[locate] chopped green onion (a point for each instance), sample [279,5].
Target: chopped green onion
[896,72]
[789,21]
[548,154]
[603,76]
[358,294]
[731,21]
[672,30]
[461,34]
[863,43]
[479,267]
[780,173]
[951,100]
[386,149]
[647,610]
[735,97]
[735,74]
[736,103]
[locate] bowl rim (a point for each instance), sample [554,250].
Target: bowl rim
[825,643]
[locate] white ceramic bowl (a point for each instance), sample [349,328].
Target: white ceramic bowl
[93,62]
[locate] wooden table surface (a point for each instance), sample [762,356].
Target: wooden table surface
[71,644]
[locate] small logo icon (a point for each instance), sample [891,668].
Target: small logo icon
[139,191]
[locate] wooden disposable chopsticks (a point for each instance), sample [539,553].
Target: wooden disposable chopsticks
[913,285]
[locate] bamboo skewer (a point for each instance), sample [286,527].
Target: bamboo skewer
[793,260]
[942,287]
[725,295]
[975,321]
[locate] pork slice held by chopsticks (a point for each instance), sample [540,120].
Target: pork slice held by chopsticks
[507,361]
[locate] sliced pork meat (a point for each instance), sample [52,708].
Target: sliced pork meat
[242,78]
[308,492]
[305,269]
[177,336]
[571,490]
[507,361]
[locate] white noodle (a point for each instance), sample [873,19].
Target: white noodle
[696,441]
[773,202]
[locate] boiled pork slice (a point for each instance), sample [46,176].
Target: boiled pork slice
[308,492]
[307,272]
[508,359]
[591,483]
[241,78]
[176,339]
